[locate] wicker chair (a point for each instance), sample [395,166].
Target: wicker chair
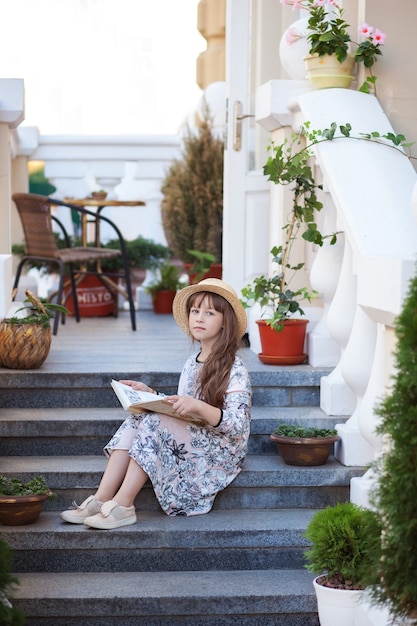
[41,247]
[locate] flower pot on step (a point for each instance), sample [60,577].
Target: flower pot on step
[283,347]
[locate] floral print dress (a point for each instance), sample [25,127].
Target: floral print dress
[188,464]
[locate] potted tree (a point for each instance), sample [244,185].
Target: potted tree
[25,339]
[22,503]
[395,491]
[305,446]
[345,544]
[165,286]
[192,204]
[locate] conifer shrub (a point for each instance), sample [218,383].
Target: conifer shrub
[192,206]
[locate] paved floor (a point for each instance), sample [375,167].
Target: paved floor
[106,344]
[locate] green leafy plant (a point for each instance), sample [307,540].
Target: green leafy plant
[38,312]
[288,164]
[304,432]
[201,265]
[345,543]
[16,487]
[142,253]
[328,33]
[169,279]
[9,615]
[192,204]
[395,493]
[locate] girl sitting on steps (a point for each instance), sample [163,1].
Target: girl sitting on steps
[187,464]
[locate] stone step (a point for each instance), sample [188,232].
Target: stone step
[265,482]
[225,539]
[293,386]
[207,598]
[76,431]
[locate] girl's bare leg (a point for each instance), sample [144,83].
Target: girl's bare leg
[113,475]
[133,482]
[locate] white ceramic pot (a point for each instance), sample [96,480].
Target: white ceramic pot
[336,607]
[293,48]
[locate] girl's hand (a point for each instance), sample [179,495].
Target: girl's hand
[138,386]
[188,404]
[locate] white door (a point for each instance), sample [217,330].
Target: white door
[246,194]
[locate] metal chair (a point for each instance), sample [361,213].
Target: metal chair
[41,247]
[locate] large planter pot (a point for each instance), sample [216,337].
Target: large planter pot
[304,451]
[24,346]
[94,299]
[284,347]
[162,301]
[21,510]
[326,71]
[336,607]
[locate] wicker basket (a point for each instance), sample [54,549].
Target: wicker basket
[24,346]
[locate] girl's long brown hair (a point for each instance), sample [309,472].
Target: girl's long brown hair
[215,373]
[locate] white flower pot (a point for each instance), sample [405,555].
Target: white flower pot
[336,607]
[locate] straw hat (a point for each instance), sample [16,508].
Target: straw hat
[213,285]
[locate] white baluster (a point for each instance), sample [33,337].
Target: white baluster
[357,362]
[323,350]
[336,398]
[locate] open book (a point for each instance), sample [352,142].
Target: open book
[137,402]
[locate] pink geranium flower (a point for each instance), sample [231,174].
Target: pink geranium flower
[378,38]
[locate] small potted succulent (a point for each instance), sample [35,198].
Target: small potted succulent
[304,445]
[21,503]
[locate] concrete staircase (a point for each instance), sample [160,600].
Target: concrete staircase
[242,564]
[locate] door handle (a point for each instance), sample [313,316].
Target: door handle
[238,116]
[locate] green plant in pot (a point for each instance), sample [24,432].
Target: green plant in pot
[345,544]
[304,445]
[192,204]
[332,53]
[204,266]
[395,491]
[25,340]
[165,286]
[21,502]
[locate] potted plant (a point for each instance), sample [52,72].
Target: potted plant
[305,446]
[288,164]
[330,62]
[345,544]
[21,503]
[395,491]
[165,286]
[25,339]
[204,266]
[192,204]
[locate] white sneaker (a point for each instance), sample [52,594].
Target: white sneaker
[78,513]
[112,515]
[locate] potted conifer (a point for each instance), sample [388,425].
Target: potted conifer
[22,502]
[345,545]
[304,445]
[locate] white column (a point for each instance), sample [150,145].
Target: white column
[323,350]
[358,357]
[336,397]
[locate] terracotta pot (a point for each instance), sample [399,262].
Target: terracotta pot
[283,347]
[304,451]
[162,301]
[21,510]
[94,299]
[326,71]
[215,271]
